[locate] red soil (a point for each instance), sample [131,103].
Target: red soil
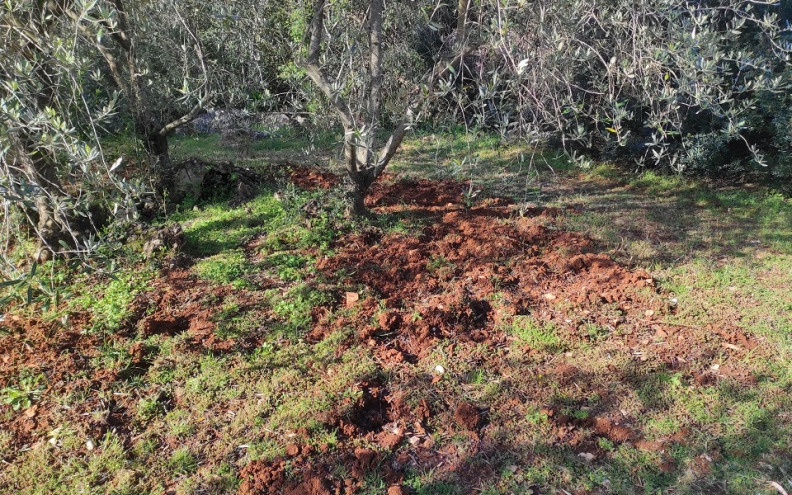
[456,282]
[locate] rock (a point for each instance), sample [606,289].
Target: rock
[351,298]
[188,178]
[206,180]
[170,237]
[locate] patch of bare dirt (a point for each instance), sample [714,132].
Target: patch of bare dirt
[440,284]
[52,354]
[178,303]
[311,178]
[462,278]
[468,416]
[457,283]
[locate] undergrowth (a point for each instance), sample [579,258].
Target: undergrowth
[176,416]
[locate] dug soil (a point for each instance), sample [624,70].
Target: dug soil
[489,284]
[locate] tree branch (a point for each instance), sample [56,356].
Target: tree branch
[392,145]
[122,34]
[188,117]
[317,75]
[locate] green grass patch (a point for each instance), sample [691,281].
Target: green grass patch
[293,308]
[110,305]
[538,335]
[228,267]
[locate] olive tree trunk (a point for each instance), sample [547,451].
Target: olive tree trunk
[364,164]
[122,60]
[35,168]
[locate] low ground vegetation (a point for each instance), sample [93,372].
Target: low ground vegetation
[509,325]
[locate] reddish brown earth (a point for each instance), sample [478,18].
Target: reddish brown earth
[311,178]
[176,304]
[455,283]
[438,285]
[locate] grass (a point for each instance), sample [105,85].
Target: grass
[197,415]
[228,267]
[534,334]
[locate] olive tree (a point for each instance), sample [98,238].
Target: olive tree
[52,173]
[154,56]
[661,83]
[357,92]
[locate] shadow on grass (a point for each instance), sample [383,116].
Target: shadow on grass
[651,224]
[216,236]
[577,453]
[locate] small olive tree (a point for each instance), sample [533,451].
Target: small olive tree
[154,56]
[358,92]
[52,171]
[682,85]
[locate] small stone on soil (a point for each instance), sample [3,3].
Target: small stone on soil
[351,299]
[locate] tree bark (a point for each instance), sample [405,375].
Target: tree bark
[158,149]
[359,201]
[363,164]
[40,171]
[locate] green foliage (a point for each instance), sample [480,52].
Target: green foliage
[182,461]
[289,266]
[55,183]
[294,308]
[26,391]
[113,305]
[229,267]
[537,335]
[666,84]
[42,284]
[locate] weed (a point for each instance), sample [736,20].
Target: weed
[289,267]
[295,306]
[595,332]
[477,377]
[229,267]
[148,409]
[111,306]
[605,444]
[536,416]
[212,376]
[469,195]
[27,390]
[182,461]
[581,414]
[541,336]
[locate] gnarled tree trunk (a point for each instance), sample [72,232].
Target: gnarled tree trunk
[363,163]
[37,169]
[122,60]
[29,162]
